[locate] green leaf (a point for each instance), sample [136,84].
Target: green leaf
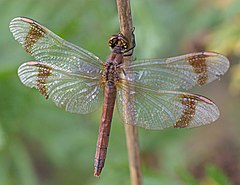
[217,175]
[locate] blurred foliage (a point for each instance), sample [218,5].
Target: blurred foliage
[234,86]
[213,176]
[41,144]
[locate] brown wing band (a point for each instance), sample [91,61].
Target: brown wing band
[35,33]
[198,62]
[189,103]
[44,72]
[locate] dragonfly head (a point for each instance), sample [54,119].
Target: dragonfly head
[118,40]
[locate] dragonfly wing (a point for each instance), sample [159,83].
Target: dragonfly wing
[182,72]
[75,92]
[63,72]
[47,47]
[158,109]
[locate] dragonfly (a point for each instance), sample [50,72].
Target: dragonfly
[148,93]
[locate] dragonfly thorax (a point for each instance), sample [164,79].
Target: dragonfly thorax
[113,68]
[111,73]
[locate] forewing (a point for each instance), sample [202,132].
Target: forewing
[158,109]
[182,72]
[47,47]
[75,92]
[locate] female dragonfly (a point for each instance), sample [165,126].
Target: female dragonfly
[144,91]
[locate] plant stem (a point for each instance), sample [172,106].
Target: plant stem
[124,12]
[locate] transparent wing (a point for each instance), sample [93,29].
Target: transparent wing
[47,47]
[159,109]
[74,91]
[63,72]
[182,72]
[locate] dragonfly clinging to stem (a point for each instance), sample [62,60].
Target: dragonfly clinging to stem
[77,80]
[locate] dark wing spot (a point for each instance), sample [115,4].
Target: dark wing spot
[35,33]
[189,109]
[44,72]
[198,62]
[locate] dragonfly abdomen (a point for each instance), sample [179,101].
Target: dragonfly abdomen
[105,126]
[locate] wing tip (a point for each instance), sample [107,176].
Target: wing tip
[15,25]
[223,59]
[212,108]
[22,18]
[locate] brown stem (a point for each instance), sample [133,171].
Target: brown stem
[124,12]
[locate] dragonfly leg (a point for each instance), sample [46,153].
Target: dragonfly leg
[124,72]
[133,45]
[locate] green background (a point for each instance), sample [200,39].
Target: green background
[41,144]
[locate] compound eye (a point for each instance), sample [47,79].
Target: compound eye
[112,42]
